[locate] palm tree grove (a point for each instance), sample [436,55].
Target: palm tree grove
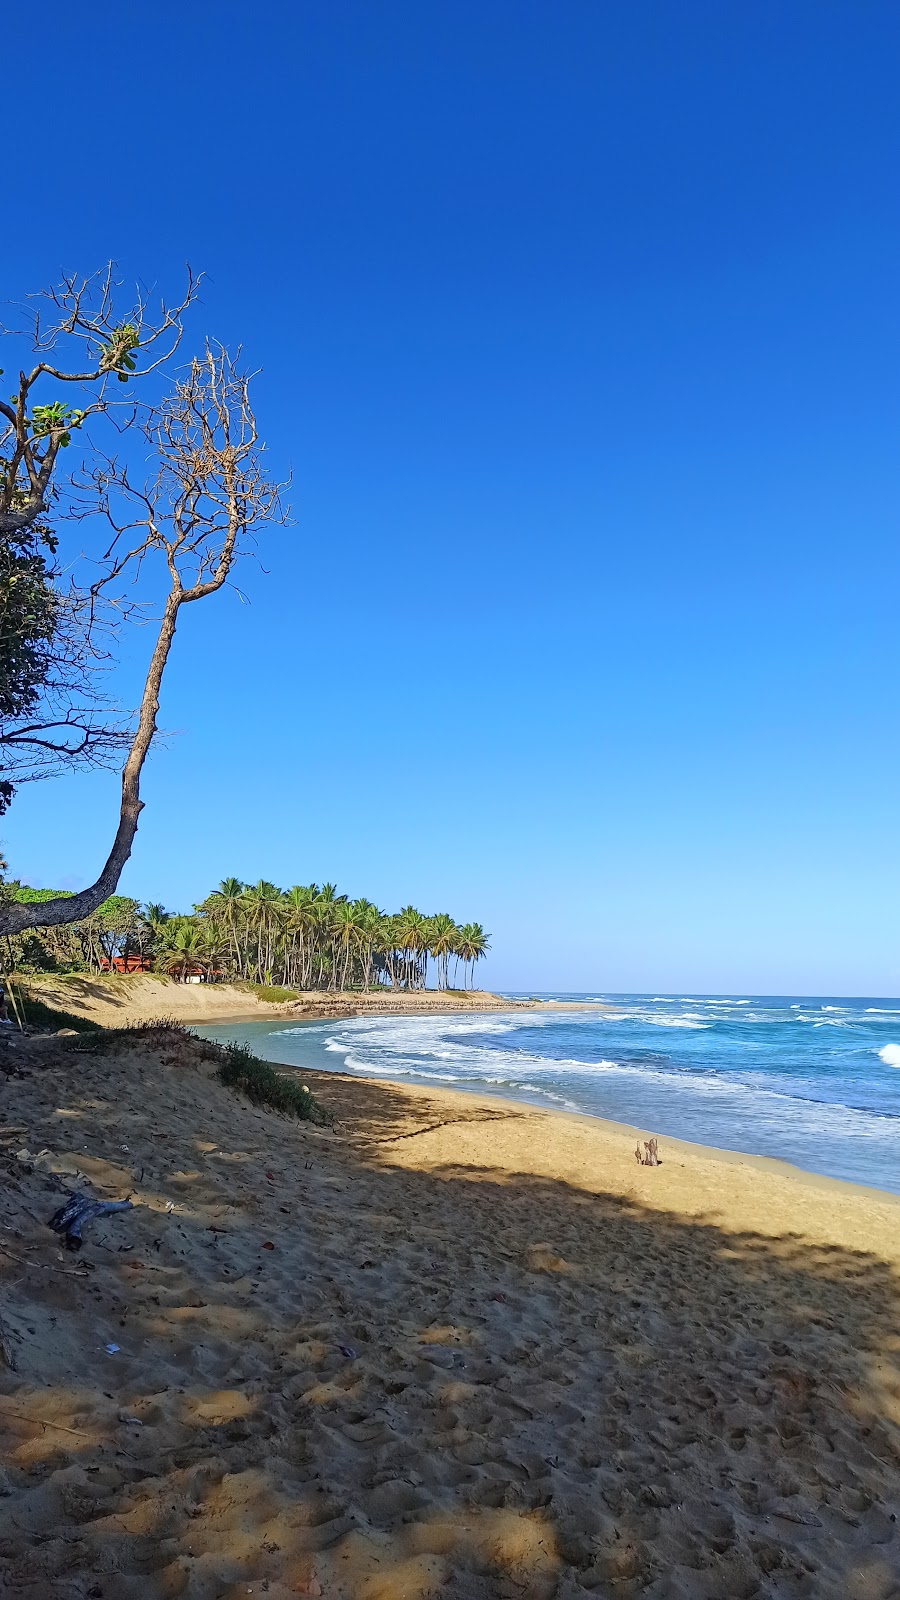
[304,938]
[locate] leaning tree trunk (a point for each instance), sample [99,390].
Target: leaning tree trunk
[15,917]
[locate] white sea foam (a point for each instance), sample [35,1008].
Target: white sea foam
[401,1068]
[384,1046]
[676,1022]
[811,1101]
[827,1022]
[520,1072]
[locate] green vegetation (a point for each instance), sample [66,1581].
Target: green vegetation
[236,1065]
[276,941]
[311,937]
[244,1072]
[30,617]
[161,1033]
[87,946]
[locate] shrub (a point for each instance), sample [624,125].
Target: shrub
[273,993]
[242,1071]
[236,1065]
[161,1033]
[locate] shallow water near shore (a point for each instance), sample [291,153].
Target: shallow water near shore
[812,1081]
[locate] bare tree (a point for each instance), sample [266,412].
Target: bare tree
[54,644]
[79,312]
[208,496]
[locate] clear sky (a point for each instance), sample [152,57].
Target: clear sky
[579,331]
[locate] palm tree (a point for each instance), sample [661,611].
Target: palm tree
[210,950]
[264,917]
[442,936]
[224,907]
[368,924]
[311,935]
[473,944]
[388,948]
[320,965]
[184,949]
[299,922]
[150,924]
[480,944]
[411,934]
[347,924]
[329,953]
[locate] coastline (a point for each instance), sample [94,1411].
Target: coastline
[611,1127]
[114,1001]
[453,1345]
[615,1142]
[118,1001]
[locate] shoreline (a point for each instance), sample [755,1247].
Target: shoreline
[117,1001]
[618,1132]
[724,1154]
[452,1345]
[113,1001]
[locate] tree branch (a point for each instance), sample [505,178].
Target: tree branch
[209,496]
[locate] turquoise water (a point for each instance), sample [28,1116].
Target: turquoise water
[812,1081]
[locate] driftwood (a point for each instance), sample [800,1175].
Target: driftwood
[43,1422]
[44,1266]
[649,1156]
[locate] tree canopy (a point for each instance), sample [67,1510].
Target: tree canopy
[306,937]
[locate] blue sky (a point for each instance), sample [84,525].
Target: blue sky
[578,328]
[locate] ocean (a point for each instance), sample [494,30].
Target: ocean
[812,1081]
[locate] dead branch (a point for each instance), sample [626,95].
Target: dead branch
[84,313]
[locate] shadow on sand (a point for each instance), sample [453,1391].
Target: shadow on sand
[341,1376]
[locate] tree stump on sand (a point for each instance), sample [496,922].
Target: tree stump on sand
[649,1156]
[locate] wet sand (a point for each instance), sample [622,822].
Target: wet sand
[454,1346]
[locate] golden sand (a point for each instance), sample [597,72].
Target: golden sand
[456,1347]
[111,1001]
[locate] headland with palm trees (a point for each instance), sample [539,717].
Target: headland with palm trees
[310,937]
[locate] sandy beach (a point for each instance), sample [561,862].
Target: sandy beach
[112,1001]
[448,1347]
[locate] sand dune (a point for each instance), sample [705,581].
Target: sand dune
[454,1347]
[112,1001]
